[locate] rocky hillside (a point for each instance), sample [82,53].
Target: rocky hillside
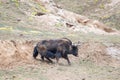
[25,22]
[107,11]
[39,17]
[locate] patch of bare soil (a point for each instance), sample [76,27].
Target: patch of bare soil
[97,52]
[13,53]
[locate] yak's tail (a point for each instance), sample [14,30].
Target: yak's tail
[35,52]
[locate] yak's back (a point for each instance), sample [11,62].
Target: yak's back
[53,44]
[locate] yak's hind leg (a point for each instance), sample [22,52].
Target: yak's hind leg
[58,55]
[49,59]
[42,57]
[49,55]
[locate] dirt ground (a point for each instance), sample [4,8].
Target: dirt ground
[93,63]
[20,24]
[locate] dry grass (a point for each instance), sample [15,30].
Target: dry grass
[19,33]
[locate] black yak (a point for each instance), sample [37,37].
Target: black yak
[55,49]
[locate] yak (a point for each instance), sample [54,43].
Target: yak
[55,49]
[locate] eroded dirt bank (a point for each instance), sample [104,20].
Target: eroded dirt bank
[13,53]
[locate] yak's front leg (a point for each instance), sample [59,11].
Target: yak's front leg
[66,57]
[68,61]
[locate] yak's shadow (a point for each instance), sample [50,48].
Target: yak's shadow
[53,63]
[45,61]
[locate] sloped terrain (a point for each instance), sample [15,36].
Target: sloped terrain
[45,15]
[25,22]
[15,52]
[107,11]
[94,62]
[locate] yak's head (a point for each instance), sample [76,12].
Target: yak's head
[74,50]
